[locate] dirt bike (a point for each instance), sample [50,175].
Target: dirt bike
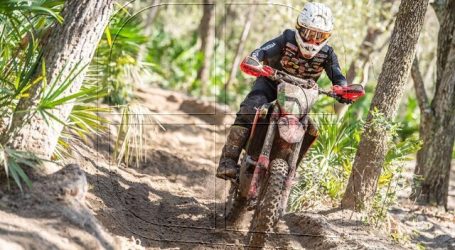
[268,166]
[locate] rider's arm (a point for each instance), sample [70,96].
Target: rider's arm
[270,49]
[332,68]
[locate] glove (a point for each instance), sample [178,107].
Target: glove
[343,100]
[253,67]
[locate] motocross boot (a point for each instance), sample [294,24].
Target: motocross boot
[236,139]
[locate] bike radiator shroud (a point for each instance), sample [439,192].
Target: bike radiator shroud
[292,100]
[295,100]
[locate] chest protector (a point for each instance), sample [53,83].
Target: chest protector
[294,63]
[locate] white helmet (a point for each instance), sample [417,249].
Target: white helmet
[313,28]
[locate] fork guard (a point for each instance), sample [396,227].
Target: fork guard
[290,129]
[264,158]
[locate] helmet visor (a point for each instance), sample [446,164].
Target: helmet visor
[313,36]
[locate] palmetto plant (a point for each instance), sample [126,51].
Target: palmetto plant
[12,160]
[325,170]
[115,66]
[327,165]
[132,142]
[23,24]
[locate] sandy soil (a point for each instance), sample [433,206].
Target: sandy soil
[172,200]
[431,227]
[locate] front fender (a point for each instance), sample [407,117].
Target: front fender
[290,129]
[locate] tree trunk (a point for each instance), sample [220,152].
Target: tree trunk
[207,32]
[367,46]
[437,129]
[429,74]
[241,45]
[150,17]
[419,85]
[70,45]
[446,28]
[366,49]
[372,149]
[225,29]
[229,14]
[361,62]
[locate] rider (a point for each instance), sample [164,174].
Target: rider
[302,52]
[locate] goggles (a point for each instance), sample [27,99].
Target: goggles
[312,36]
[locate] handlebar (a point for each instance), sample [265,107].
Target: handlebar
[283,76]
[346,94]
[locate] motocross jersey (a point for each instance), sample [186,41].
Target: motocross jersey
[283,53]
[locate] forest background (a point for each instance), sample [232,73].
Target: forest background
[195,48]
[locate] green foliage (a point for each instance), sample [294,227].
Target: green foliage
[409,118]
[326,167]
[420,246]
[23,26]
[115,65]
[12,162]
[10,8]
[175,61]
[84,119]
[382,125]
[392,179]
[361,107]
[324,105]
[132,143]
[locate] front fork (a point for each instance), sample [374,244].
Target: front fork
[264,158]
[290,178]
[293,167]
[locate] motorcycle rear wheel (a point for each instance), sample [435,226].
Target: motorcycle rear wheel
[268,210]
[235,208]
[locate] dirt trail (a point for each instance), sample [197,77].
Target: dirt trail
[174,200]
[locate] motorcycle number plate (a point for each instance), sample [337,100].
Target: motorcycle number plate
[290,129]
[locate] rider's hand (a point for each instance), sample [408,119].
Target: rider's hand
[267,70]
[253,67]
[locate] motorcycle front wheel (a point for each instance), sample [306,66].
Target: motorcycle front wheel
[268,210]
